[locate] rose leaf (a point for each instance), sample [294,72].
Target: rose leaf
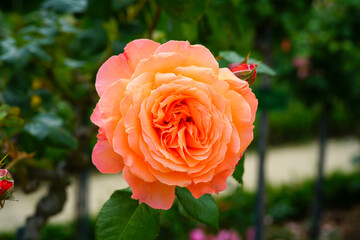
[203,209]
[124,218]
[239,170]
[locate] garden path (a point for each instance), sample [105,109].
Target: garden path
[283,165]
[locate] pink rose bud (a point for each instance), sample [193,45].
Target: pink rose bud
[6,181]
[244,70]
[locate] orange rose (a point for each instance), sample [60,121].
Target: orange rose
[167,117]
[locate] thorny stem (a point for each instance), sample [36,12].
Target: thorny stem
[20,156]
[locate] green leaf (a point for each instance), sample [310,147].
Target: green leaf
[11,54]
[265,69]
[60,137]
[233,57]
[66,6]
[95,40]
[203,209]
[38,52]
[239,170]
[123,218]
[66,27]
[223,63]
[42,124]
[185,10]
[120,4]
[3,111]
[73,63]
[13,121]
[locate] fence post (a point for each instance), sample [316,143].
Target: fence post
[260,196]
[317,207]
[82,230]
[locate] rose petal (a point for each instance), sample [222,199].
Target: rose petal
[138,50]
[201,74]
[242,87]
[155,194]
[121,145]
[233,153]
[246,136]
[109,107]
[96,116]
[217,184]
[163,63]
[172,178]
[240,110]
[114,69]
[198,55]
[105,159]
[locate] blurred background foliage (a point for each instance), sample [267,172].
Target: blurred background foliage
[50,51]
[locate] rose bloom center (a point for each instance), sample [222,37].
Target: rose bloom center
[179,133]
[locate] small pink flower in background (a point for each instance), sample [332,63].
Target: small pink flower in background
[197,234]
[250,233]
[302,64]
[244,70]
[228,235]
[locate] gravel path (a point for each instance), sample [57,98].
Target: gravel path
[283,164]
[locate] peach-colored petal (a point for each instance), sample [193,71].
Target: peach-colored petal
[173,178]
[114,69]
[138,50]
[240,110]
[198,55]
[163,78]
[206,177]
[96,116]
[201,74]
[139,88]
[242,118]
[109,107]
[105,159]
[246,137]
[249,96]
[233,153]
[160,63]
[242,87]
[217,184]
[131,159]
[155,194]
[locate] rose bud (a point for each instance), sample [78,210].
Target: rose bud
[244,70]
[6,181]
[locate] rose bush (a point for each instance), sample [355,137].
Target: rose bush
[167,117]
